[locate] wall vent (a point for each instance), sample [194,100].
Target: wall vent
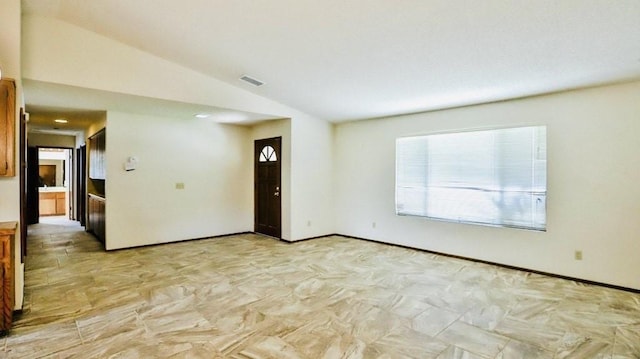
[251,80]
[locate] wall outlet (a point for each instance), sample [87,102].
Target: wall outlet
[179,185]
[373,225]
[578,255]
[308,223]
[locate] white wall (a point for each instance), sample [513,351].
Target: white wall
[311,179]
[94,128]
[10,62]
[49,140]
[593,193]
[144,207]
[269,129]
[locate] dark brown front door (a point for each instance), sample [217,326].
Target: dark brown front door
[267,159]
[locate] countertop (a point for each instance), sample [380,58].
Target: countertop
[8,228]
[52,189]
[97,196]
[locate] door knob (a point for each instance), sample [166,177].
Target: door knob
[276,194]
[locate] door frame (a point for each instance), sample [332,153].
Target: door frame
[23,184]
[34,190]
[258,146]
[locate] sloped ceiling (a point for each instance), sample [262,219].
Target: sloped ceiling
[344,60]
[45,101]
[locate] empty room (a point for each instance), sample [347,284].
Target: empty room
[320,179]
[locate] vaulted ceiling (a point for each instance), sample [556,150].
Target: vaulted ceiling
[344,60]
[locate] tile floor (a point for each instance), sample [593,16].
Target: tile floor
[248,296]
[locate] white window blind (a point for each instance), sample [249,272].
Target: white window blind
[493,177]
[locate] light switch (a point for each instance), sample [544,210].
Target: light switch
[179,185]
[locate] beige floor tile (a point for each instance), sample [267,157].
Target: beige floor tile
[43,341]
[454,352]
[520,350]
[473,339]
[434,320]
[334,297]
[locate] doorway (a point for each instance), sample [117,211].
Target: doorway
[267,187]
[50,183]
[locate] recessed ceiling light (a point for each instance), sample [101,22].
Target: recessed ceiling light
[202,115]
[231,117]
[60,120]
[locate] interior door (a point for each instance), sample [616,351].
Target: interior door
[68,166]
[23,184]
[81,181]
[33,183]
[267,187]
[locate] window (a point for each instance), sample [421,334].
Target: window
[268,154]
[491,177]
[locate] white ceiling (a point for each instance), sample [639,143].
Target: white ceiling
[355,59]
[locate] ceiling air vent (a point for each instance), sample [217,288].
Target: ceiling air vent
[251,80]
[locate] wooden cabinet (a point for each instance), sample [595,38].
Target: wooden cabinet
[7,238]
[7,127]
[61,203]
[47,204]
[53,203]
[97,160]
[96,207]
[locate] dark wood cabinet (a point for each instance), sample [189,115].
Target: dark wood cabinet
[7,127]
[96,206]
[97,215]
[97,158]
